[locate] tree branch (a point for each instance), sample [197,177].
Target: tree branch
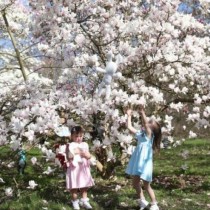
[30,46]
[8,54]
[182,100]
[14,45]
[94,42]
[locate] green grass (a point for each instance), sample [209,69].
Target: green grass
[175,188]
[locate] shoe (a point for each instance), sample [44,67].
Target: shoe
[75,205]
[84,202]
[143,204]
[154,207]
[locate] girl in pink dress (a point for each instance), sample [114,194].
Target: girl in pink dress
[78,176]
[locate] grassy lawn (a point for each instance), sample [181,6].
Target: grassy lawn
[181,182]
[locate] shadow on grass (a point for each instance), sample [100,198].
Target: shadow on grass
[102,196]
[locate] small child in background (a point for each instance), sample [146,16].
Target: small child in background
[22,160]
[78,176]
[140,165]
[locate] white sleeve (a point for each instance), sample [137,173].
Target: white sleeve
[86,146]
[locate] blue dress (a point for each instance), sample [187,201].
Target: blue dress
[141,161]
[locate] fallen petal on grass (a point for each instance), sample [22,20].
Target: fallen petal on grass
[123,204]
[187,199]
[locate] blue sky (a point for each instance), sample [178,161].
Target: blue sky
[186,8]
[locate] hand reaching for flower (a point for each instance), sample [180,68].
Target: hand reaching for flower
[141,108]
[129,125]
[129,112]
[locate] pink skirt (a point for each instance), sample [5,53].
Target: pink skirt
[79,176]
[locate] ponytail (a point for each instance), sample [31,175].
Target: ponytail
[157,138]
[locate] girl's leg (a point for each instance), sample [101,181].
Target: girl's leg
[150,191]
[137,186]
[84,192]
[85,200]
[75,201]
[74,194]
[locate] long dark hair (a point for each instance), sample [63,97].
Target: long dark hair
[76,130]
[157,137]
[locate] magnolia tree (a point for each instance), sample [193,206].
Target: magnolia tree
[20,80]
[164,66]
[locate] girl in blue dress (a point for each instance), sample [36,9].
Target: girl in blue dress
[140,166]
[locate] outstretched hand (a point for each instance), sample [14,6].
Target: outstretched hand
[141,108]
[129,112]
[129,124]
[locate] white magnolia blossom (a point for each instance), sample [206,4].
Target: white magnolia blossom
[34,160]
[2,181]
[9,191]
[96,144]
[32,184]
[117,188]
[15,143]
[93,161]
[50,155]
[206,112]
[192,134]
[125,139]
[61,149]
[129,150]
[168,122]
[185,154]
[3,131]
[49,170]
[110,156]
[194,117]
[170,139]
[177,106]
[184,167]
[62,131]
[43,149]
[11,164]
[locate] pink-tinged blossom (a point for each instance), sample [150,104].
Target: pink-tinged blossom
[192,134]
[9,192]
[49,171]
[34,160]
[32,184]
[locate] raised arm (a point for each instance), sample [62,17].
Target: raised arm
[99,69]
[145,121]
[129,124]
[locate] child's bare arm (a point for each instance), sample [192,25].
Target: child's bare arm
[67,152]
[145,121]
[85,152]
[69,155]
[129,124]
